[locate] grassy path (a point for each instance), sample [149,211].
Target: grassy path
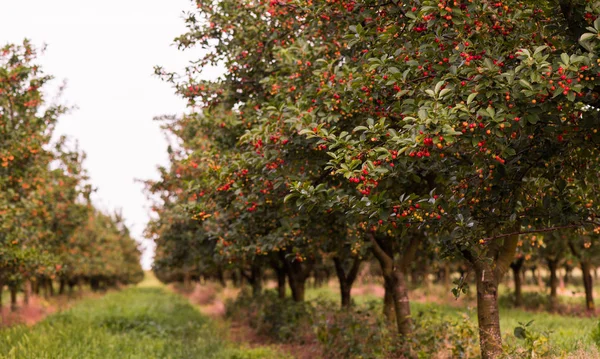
[144,322]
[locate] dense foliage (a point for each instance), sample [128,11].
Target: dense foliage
[461,129]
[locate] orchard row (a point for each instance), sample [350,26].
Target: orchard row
[50,231]
[341,129]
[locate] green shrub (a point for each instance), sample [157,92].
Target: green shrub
[280,319]
[354,333]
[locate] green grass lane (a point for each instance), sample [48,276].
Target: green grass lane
[144,322]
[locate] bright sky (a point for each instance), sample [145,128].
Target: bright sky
[106,50]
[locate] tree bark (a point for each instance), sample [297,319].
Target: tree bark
[346,279]
[279,269]
[588,286]
[13,297]
[388,301]
[50,287]
[567,276]
[489,270]
[221,277]
[298,272]
[488,316]
[62,286]
[395,282]
[552,267]
[187,282]
[516,267]
[255,279]
[26,291]
[281,283]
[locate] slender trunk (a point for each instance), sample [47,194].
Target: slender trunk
[561,282]
[281,283]
[567,277]
[587,284]
[516,267]
[26,291]
[298,288]
[552,267]
[62,285]
[401,303]
[279,269]
[298,272]
[221,277]
[187,282]
[255,279]
[35,285]
[1,291]
[297,283]
[489,270]
[395,283]
[50,287]
[346,279]
[388,301]
[488,316]
[13,297]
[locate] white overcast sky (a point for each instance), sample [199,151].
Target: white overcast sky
[106,50]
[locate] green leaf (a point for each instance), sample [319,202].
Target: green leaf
[520,333]
[587,36]
[471,98]
[524,83]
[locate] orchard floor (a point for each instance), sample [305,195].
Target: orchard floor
[570,333]
[143,322]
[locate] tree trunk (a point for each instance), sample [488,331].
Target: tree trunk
[587,284]
[298,272]
[35,286]
[552,267]
[346,279]
[26,291]
[516,267]
[280,283]
[62,286]
[221,277]
[388,302]
[279,269]
[488,316]
[255,279]
[489,270]
[1,291]
[395,282]
[94,284]
[567,277]
[187,282]
[401,303]
[50,287]
[13,297]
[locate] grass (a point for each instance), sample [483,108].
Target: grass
[567,334]
[144,322]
